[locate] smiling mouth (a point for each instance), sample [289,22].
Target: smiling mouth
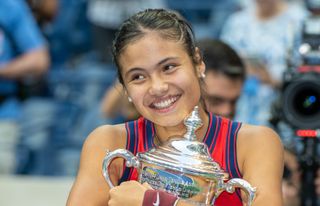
[165,103]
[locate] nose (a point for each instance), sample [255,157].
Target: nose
[158,86]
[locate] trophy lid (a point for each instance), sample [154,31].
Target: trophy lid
[186,154]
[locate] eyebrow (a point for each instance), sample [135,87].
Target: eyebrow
[166,59]
[158,64]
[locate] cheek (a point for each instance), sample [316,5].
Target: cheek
[195,87]
[189,80]
[193,91]
[136,95]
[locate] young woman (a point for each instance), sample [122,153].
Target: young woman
[161,70]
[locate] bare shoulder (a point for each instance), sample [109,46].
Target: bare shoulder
[106,137]
[102,139]
[90,187]
[258,143]
[261,135]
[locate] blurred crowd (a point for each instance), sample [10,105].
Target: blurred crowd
[58,82]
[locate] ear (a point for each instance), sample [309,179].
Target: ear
[200,65]
[127,95]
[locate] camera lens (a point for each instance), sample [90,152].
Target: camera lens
[301,103]
[306,102]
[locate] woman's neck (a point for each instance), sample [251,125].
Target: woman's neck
[164,133]
[272,11]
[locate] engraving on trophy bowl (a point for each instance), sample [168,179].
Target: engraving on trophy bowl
[185,186]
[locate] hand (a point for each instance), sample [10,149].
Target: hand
[128,193]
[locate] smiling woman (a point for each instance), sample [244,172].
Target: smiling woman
[161,70]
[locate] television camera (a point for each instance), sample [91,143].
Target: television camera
[299,104]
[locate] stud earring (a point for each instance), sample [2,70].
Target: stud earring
[203,75]
[129,99]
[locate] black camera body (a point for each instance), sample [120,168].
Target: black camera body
[299,104]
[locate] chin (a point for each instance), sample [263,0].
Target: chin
[170,121]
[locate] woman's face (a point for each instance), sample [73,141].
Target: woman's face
[161,79]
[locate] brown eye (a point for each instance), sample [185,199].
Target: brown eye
[169,68]
[137,77]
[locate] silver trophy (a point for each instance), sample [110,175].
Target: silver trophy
[182,166]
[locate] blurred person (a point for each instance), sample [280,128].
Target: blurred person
[44,11]
[266,32]
[267,25]
[23,50]
[225,75]
[23,58]
[67,29]
[161,70]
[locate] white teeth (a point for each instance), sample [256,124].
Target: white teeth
[165,103]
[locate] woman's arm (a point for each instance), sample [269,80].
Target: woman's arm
[90,187]
[260,158]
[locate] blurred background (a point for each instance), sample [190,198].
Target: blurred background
[57,76]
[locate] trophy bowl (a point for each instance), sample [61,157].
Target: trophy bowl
[182,166]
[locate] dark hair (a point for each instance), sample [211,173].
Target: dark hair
[169,24]
[220,57]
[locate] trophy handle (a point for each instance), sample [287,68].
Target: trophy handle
[131,161]
[234,183]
